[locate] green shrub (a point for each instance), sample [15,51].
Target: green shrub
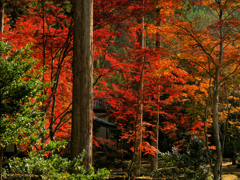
[54,167]
[188,165]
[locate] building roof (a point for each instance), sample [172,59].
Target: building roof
[104,123]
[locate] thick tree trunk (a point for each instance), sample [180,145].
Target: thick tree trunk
[81,139]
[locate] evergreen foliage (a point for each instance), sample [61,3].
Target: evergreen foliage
[20,89]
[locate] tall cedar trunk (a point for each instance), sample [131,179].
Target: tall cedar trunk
[82,99]
[154,159]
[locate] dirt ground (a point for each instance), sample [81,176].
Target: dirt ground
[230,172]
[228,168]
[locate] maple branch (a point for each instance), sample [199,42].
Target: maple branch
[207,71]
[61,123]
[66,44]
[64,112]
[58,127]
[230,73]
[226,64]
[105,53]
[231,12]
[68,41]
[64,51]
[226,46]
[54,89]
[97,79]
[61,130]
[102,24]
[104,57]
[198,42]
[57,74]
[213,48]
[52,56]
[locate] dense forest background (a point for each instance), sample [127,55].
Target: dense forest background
[166,74]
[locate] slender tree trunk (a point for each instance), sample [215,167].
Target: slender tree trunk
[138,156]
[44,63]
[1,28]
[43,39]
[81,138]
[1,16]
[1,158]
[154,159]
[51,131]
[218,163]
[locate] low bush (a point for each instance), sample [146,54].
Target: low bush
[188,165]
[54,167]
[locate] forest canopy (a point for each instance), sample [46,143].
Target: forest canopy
[162,74]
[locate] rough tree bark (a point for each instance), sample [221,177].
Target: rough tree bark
[82,99]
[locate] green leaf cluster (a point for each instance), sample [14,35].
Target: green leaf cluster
[54,167]
[20,96]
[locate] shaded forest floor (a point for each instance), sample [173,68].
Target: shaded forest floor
[230,172]
[228,168]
